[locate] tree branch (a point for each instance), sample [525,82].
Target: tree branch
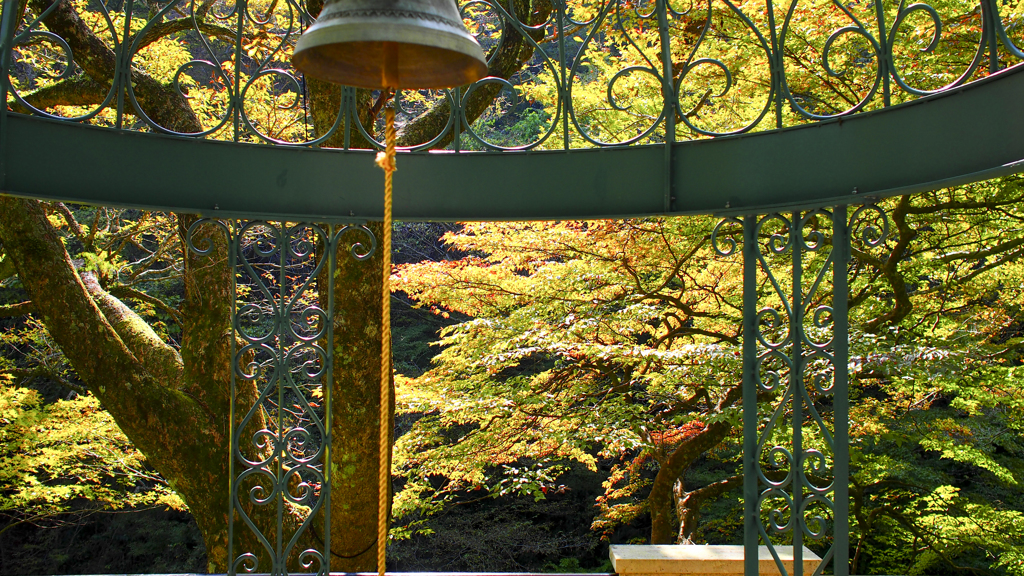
[156,356]
[128,292]
[162,103]
[688,504]
[27,375]
[504,61]
[158,31]
[20,309]
[72,222]
[78,90]
[890,269]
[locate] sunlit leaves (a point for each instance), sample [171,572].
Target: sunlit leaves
[53,456]
[580,332]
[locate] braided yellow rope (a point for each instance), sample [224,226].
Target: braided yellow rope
[386,161]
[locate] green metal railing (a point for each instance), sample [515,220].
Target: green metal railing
[795,368]
[692,95]
[795,351]
[661,71]
[284,345]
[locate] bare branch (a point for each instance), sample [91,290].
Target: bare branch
[127,292]
[20,309]
[169,27]
[162,103]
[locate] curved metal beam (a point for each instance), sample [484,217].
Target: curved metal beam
[964,135]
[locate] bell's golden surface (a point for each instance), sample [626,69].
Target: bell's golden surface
[390,44]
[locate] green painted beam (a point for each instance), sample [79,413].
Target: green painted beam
[964,135]
[968,134]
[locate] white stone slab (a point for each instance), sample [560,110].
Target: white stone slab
[698,560]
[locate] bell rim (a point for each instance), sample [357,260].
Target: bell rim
[435,36]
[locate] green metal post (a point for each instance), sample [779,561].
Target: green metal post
[232,429]
[457,126]
[123,66]
[840,391]
[990,11]
[331,250]
[750,367]
[281,352]
[241,9]
[563,89]
[668,94]
[776,63]
[796,390]
[884,57]
[8,23]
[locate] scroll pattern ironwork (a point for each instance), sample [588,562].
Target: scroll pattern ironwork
[565,73]
[795,371]
[281,382]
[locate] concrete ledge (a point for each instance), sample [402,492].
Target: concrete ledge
[697,560]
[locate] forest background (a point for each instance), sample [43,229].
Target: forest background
[560,385]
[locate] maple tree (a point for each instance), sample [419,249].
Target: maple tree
[617,341]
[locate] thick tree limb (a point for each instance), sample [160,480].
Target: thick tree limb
[78,325]
[78,90]
[163,422]
[206,316]
[508,58]
[688,503]
[159,359]
[127,292]
[662,497]
[161,103]
[890,270]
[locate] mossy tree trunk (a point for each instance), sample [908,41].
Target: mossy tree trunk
[670,506]
[173,406]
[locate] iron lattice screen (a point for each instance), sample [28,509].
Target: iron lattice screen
[795,358]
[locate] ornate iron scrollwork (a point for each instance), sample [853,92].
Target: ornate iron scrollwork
[795,371]
[597,73]
[281,382]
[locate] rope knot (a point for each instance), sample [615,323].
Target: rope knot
[386,161]
[386,157]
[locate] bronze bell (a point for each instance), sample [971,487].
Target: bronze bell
[390,44]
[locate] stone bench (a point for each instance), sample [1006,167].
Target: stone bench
[698,560]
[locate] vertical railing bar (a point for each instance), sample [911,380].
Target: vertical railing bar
[123,66]
[236,98]
[668,94]
[346,109]
[457,125]
[840,393]
[991,13]
[325,489]
[750,367]
[886,55]
[776,63]
[564,87]
[7,28]
[232,487]
[279,375]
[796,382]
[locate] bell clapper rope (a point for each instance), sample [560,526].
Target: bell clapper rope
[386,161]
